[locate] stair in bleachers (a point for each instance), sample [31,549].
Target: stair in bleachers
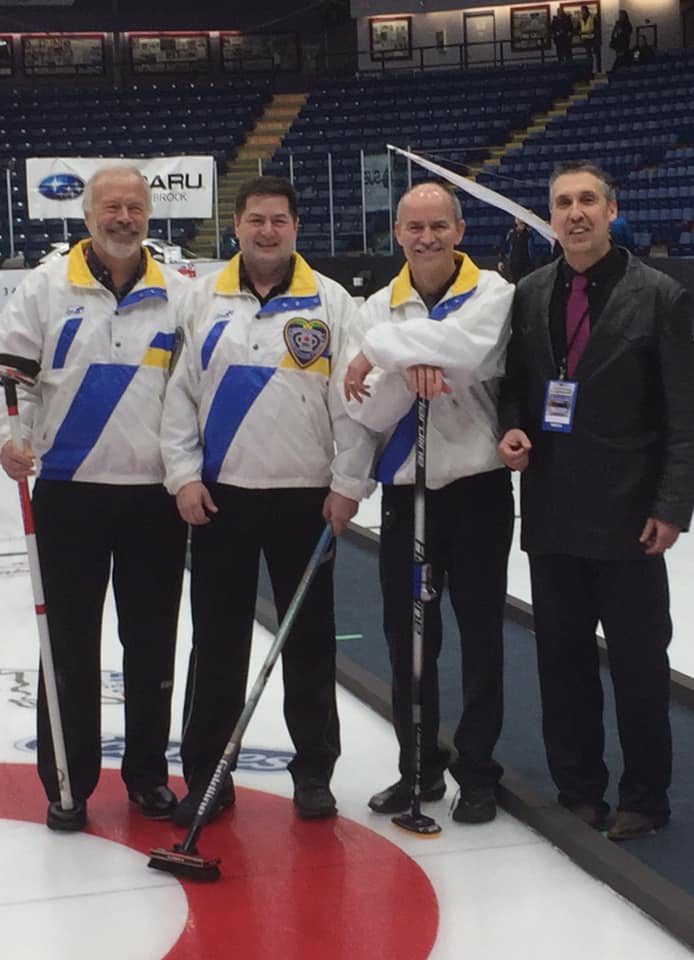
[260,144]
[559,108]
[638,126]
[457,116]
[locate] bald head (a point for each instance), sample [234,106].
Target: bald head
[429,226]
[432,189]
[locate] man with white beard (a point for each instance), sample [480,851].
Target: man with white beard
[101,326]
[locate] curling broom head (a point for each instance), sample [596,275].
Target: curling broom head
[417,823]
[190,866]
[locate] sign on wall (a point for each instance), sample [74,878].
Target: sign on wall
[260,51]
[390,38]
[530,27]
[182,187]
[63,54]
[169,52]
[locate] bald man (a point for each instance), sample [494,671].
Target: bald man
[440,329]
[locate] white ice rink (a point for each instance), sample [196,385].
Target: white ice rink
[497,890]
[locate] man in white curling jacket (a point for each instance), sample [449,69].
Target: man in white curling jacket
[440,328]
[101,323]
[260,453]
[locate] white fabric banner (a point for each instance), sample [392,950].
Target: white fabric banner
[182,187]
[485,194]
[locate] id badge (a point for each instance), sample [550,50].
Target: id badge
[560,403]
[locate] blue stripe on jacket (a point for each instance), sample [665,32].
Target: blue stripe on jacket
[238,390]
[98,396]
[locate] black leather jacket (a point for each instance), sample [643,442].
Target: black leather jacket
[631,452]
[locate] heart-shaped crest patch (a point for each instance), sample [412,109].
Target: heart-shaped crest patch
[306,340]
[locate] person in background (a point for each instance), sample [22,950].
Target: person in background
[562,31]
[621,233]
[620,41]
[517,254]
[643,53]
[589,32]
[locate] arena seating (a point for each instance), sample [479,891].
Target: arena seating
[640,127]
[451,114]
[164,119]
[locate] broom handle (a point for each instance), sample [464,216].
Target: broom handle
[49,679]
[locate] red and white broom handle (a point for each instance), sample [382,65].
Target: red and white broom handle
[66,799]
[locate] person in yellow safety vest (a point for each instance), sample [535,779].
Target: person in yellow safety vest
[589,31]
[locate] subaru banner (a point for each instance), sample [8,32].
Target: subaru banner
[182,187]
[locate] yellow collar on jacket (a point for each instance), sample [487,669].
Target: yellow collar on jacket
[78,271]
[303,283]
[465,282]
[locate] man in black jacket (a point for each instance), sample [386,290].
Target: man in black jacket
[598,408]
[562,30]
[517,252]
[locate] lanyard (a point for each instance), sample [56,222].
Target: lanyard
[569,346]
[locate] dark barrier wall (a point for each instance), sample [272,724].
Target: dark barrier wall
[107,15]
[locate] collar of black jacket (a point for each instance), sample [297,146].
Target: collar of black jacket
[608,269]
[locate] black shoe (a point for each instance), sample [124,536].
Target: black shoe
[157,803]
[592,813]
[475,805]
[67,820]
[313,800]
[397,798]
[184,814]
[630,824]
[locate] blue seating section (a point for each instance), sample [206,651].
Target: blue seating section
[447,113]
[165,119]
[640,128]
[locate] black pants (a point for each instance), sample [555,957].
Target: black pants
[593,48]
[630,597]
[286,525]
[82,528]
[469,525]
[564,51]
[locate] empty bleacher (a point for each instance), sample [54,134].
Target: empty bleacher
[166,119]
[640,127]
[458,114]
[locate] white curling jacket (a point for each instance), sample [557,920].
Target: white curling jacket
[466,335]
[95,412]
[255,399]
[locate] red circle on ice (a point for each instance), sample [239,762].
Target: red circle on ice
[289,888]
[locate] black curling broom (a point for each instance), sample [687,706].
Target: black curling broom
[184,860]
